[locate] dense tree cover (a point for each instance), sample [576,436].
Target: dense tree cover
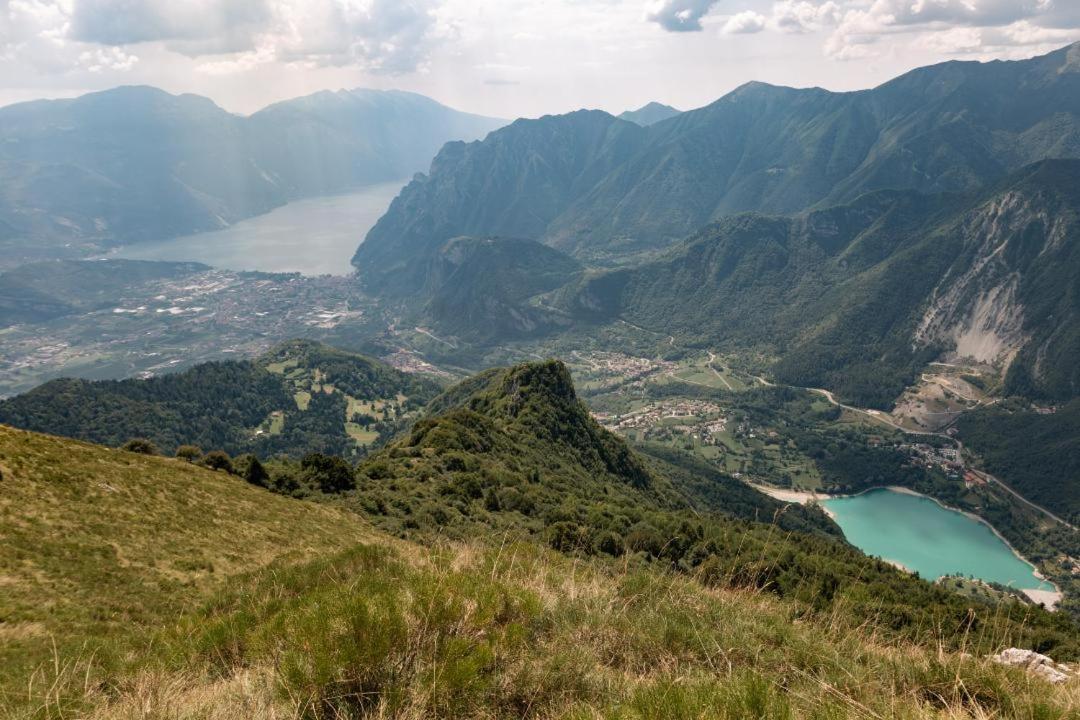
[1036,454]
[212,405]
[222,404]
[515,451]
[479,288]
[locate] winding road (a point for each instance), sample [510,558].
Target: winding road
[877,415]
[985,476]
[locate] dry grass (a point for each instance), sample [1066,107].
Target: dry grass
[510,630]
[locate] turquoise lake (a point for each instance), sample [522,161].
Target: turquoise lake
[924,537]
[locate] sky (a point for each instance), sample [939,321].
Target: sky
[504,58]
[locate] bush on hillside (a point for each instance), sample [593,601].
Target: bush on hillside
[141,446]
[218,460]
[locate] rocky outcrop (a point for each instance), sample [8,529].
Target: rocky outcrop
[1036,664]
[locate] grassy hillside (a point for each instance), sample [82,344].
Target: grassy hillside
[100,546]
[509,630]
[175,592]
[513,450]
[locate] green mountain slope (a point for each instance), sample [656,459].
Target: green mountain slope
[300,397]
[590,186]
[515,449]
[1037,454]
[512,184]
[481,288]
[653,600]
[856,298]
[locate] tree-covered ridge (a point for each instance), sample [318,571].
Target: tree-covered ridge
[299,398]
[515,447]
[481,288]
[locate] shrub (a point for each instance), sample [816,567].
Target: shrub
[191,453]
[141,446]
[608,543]
[565,537]
[249,468]
[329,472]
[218,460]
[643,537]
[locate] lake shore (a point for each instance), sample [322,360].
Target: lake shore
[1049,598]
[801,497]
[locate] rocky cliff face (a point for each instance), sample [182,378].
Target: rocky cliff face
[976,307]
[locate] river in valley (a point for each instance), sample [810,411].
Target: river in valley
[919,534]
[317,236]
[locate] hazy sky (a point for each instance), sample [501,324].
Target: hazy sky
[504,57]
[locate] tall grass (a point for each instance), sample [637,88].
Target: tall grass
[513,630]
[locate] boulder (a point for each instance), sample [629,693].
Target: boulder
[1034,663]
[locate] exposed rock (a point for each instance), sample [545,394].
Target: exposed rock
[975,307]
[1034,663]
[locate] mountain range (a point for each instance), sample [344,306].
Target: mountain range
[858,297]
[597,186]
[853,236]
[137,163]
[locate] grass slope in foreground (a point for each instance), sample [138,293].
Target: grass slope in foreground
[99,545]
[487,626]
[476,630]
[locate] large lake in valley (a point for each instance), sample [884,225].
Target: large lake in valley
[918,533]
[317,236]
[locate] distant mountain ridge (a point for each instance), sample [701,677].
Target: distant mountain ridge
[649,114]
[596,186]
[136,163]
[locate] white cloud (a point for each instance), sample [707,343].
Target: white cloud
[680,15]
[745,22]
[108,58]
[968,27]
[798,16]
[203,26]
[380,36]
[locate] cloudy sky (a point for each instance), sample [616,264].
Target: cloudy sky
[504,57]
